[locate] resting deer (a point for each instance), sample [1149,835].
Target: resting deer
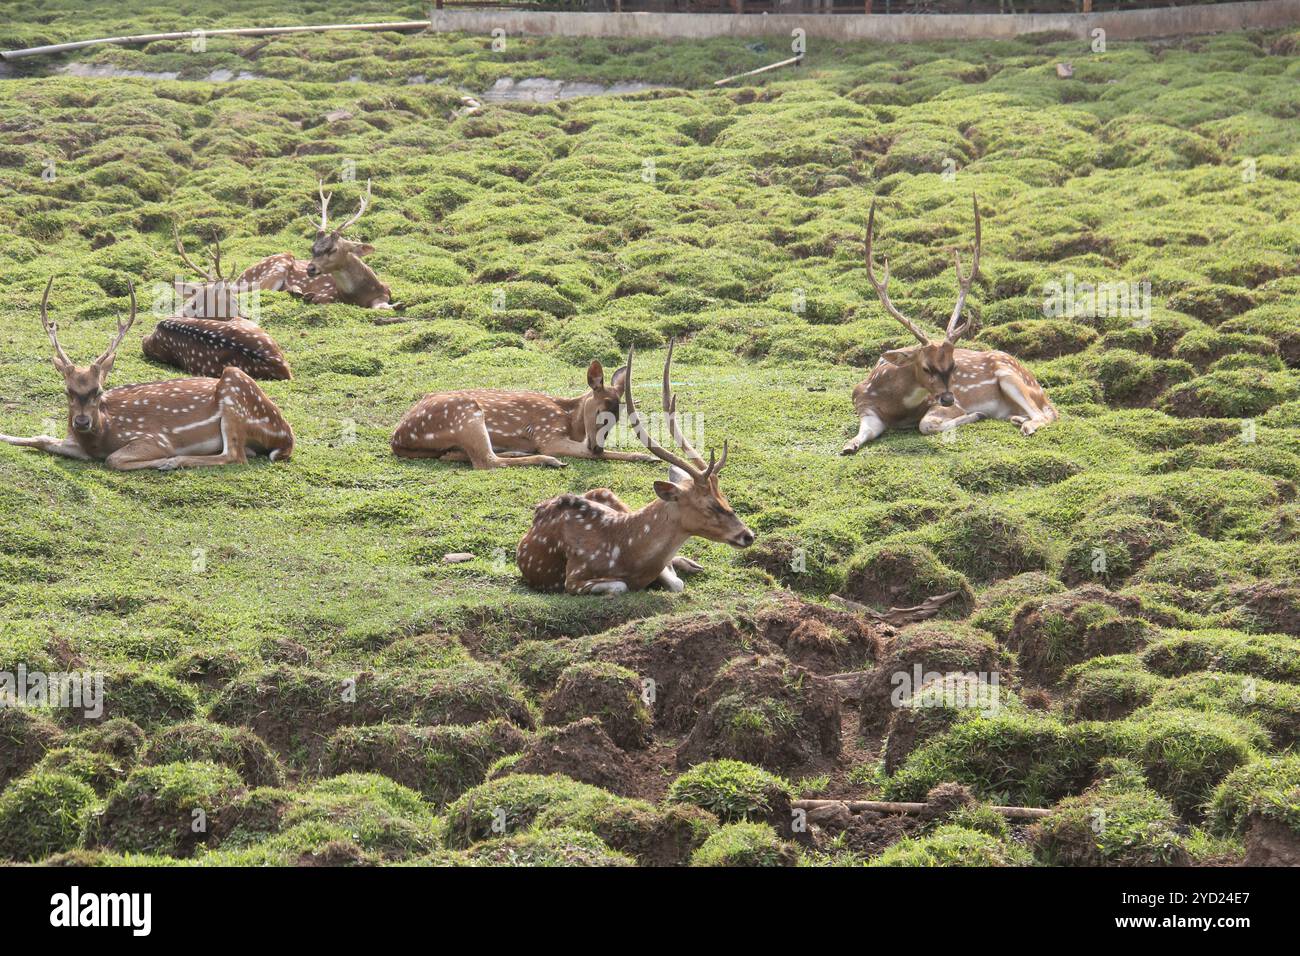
[595,544]
[210,335]
[492,428]
[935,385]
[183,423]
[335,272]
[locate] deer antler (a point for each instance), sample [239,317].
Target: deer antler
[670,409]
[180,248]
[51,329]
[634,419]
[215,256]
[956,331]
[122,329]
[365,201]
[882,284]
[324,205]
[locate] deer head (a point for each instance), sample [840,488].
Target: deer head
[599,407]
[216,297]
[330,251]
[692,485]
[931,362]
[84,385]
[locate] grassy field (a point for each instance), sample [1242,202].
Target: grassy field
[1159,684]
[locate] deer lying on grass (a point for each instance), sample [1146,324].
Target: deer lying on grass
[335,272]
[595,544]
[183,423]
[935,385]
[493,428]
[210,335]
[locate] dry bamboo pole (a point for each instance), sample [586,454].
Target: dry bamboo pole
[889,806]
[761,69]
[399,27]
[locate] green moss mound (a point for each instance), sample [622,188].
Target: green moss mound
[43,814]
[746,845]
[953,845]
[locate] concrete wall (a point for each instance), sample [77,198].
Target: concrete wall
[1125,25]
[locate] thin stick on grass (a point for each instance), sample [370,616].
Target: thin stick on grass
[762,69]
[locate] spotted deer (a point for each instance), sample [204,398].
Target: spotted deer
[493,428]
[183,423]
[596,544]
[211,335]
[335,272]
[935,385]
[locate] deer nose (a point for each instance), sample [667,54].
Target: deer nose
[81,422]
[311,269]
[745,539]
[946,399]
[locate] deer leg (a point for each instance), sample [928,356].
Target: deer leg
[940,419]
[686,566]
[137,455]
[1033,418]
[64,447]
[602,586]
[475,441]
[232,446]
[670,581]
[606,497]
[870,428]
[569,448]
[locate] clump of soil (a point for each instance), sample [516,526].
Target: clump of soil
[1275,605]
[822,639]
[167,809]
[681,657]
[439,762]
[904,575]
[766,711]
[938,704]
[928,650]
[25,736]
[120,738]
[237,748]
[296,710]
[608,692]
[580,750]
[1270,842]
[1054,632]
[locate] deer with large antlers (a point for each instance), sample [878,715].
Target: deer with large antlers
[183,423]
[211,335]
[493,428]
[936,386]
[336,271]
[595,544]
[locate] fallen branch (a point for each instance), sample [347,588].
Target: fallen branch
[889,806]
[899,615]
[403,26]
[762,69]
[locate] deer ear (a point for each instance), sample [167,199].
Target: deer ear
[619,380]
[320,233]
[596,375]
[363,249]
[898,356]
[667,490]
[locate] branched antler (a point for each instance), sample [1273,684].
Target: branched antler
[882,284]
[365,201]
[122,328]
[324,205]
[956,331]
[51,329]
[695,466]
